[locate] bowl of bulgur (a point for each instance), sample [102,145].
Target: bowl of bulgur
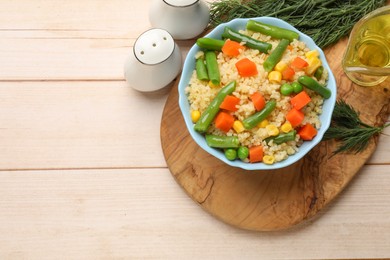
[256,93]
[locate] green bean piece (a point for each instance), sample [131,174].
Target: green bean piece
[286,89]
[256,118]
[271,30]
[212,67]
[231,154]
[276,55]
[210,44]
[297,87]
[217,141]
[211,111]
[314,85]
[243,152]
[201,70]
[318,72]
[283,138]
[249,41]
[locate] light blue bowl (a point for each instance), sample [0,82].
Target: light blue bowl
[325,117]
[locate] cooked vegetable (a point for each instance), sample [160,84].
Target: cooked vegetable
[271,30]
[282,138]
[224,121]
[346,127]
[195,115]
[319,72]
[288,73]
[280,66]
[211,111]
[246,68]
[285,137]
[217,141]
[297,87]
[256,154]
[230,154]
[300,100]
[210,44]
[230,103]
[286,89]
[231,34]
[276,55]
[243,152]
[212,67]
[272,130]
[258,101]
[299,63]
[313,64]
[201,70]
[268,159]
[238,126]
[295,117]
[232,48]
[275,77]
[307,132]
[256,118]
[286,127]
[326,21]
[312,84]
[263,123]
[312,54]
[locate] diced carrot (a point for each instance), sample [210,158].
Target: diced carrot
[307,132]
[256,154]
[246,67]
[230,103]
[300,100]
[295,117]
[299,63]
[224,121]
[232,48]
[290,48]
[288,73]
[258,101]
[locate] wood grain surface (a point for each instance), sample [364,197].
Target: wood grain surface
[273,199]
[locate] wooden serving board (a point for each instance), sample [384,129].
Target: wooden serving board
[274,199]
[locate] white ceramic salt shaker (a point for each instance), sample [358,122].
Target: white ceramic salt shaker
[155,61]
[184,19]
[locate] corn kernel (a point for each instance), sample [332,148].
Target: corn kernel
[286,127]
[268,159]
[238,126]
[314,63]
[212,85]
[312,54]
[272,130]
[280,66]
[195,115]
[275,76]
[263,123]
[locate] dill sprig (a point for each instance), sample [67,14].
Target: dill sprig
[347,128]
[325,21]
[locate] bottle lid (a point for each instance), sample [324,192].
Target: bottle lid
[154,46]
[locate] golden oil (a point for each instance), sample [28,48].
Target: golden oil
[367,58]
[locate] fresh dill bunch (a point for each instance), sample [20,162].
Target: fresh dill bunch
[325,21]
[347,128]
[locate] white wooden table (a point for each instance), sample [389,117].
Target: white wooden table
[82,173]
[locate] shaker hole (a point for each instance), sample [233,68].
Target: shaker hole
[142,52]
[154,45]
[165,38]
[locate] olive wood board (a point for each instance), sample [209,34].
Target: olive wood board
[272,199]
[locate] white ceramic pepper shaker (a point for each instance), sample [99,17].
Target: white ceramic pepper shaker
[155,61]
[184,19]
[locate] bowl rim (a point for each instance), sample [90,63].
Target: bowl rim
[239,24]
